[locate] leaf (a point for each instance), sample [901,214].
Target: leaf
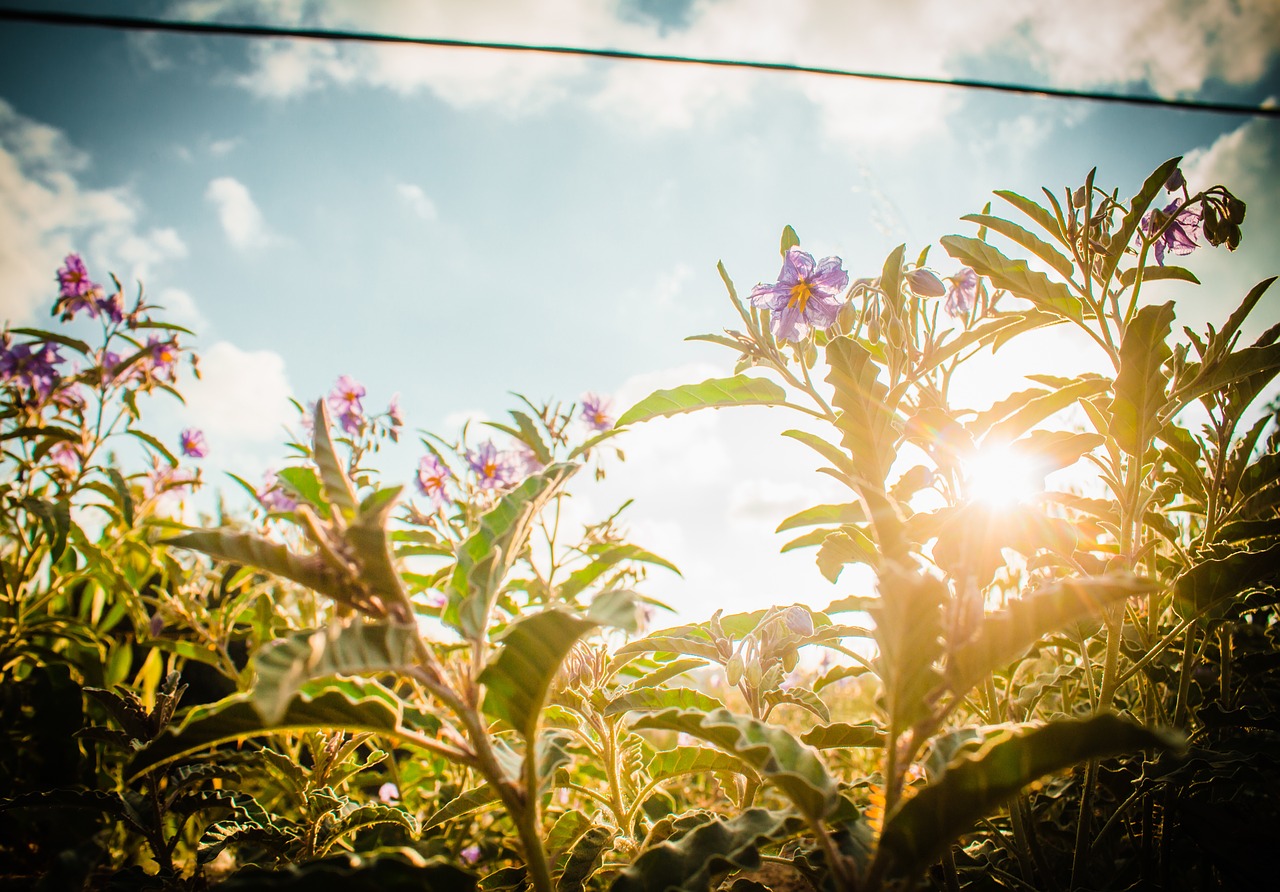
[287,664]
[1037,246]
[1006,634]
[1053,450]
[254,551]
[1235,367]
[584,858]
[1043,218]
[866,421]
[821,514]
[348,707]
[831,453]
[1156,274]
[840,735]
[1122,238]
[337,486]
[908,632]
[664,673]
[789,240]
[1034,406]
[154,444]
[569,826]
[519,674]
[682,760]
[801,697]
[847,545]
[717,846]
[604,556]
[372,814]
[773,752]
[485,556]
[304,483]
[233,831]
[920,830]
[837,673]
[653,699]
[1221,579]
[463,804]
[528,434]
[1141,384]
[1014,276]
[688,640]
[740,390]
[124,499]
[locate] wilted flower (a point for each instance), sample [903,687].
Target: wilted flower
[962,293]
[799,620]
[432,476]
[925,284]
[344,401]
[1181,236]
[806,295]
[595,412]
[1176,181]
[193,443]
[492,468]
[273,495]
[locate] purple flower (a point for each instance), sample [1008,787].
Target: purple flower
[523,461]
[799,620]
[162,358]
[433,474]
[595,412]
[1181,236]
[470,854]
[344,402]
[273,496]
[492,469]
[31,365]
[66,456]
[925,284]
[193,443]
[1176,181]
[806,295]
[164,480]
[112,307]
[962,293]
[394,415]
[76,291]
[389,793]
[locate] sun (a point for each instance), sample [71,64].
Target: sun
[1002,477]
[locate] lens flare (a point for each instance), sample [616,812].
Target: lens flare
[1002,477]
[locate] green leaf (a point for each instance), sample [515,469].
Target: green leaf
[124,499]
[1007,634]
[349,707]
[837,673]
[1034,406]
[568,828]
[584,858]
[831,453]
[773,752]
[920,830]
[823,514]
[690,640]
[1037,246]
[1014,276]
[254,551]
[155,444]
[789,240]
[1156,274]
[715,847]
[337,486]
[528,434]
[1221,579]
[740,390]
[801,697]
[1229,370]
[1140,388]
[466,803]
[287,664]
[654,699]
[665,673]
[604,556]
[908,632]
[1040,215]
[1122,238]
[487,554]
[847,545]
[839,735]
[868,425]
[682,760]
[1053,450]
[519,674]
[305,484]
[363,817]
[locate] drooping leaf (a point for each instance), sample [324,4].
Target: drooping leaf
[718,845]
[771,751]
[1040,405]
[1156,274]
[823,514]
[1033,243]
[372,814]
[603,557]
[1014,276]
[801,697]
[847,545]
[836,674]
[923,826]
[288,664]
[665,673]
[740,390]
[1141,385]
[1006,634]
[682,760]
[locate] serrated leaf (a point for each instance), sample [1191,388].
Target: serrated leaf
[287,664]
[716,846]
[682,760]
[1140,388]
[844,735]
[1123,237]
[584,858]
[1014,276]
[371,815]
[771,751]
[924,825]
[740,390]
[233,831]
[847,545]
[866,421]
[1006,634]
[652,699]
[1220,579]
[519,674]
[1033,243]
[801,697]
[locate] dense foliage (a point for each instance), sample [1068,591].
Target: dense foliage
[1071,689]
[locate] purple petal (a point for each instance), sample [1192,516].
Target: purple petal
[830,276]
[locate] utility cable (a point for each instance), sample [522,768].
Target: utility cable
[137,23]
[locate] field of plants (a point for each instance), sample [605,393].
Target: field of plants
[359,684]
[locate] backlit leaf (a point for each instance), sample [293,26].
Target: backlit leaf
[740,390]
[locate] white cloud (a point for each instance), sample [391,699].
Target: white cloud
[180,308]
[46,213]
[220,147]
[417,200]
[241,220]
[241,397]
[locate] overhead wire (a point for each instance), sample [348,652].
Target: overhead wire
[173,26]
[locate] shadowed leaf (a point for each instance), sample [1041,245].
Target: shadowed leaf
[1141,384]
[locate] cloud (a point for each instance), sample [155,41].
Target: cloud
[220,147]
[241,220]
[46,213]
[241,397]
[417,201]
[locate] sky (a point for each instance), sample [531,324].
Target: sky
[456,225]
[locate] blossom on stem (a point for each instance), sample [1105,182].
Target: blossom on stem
[492,468]
[344,402]
[31,365]
[162,358]
[76,291]
[595,412]
[1181,236]
[395,417]
[66,457]
[923,283]
[433,474]
[962,293]
[273,496]
[806,296]
[193,443]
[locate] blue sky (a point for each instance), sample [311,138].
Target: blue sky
[453,225]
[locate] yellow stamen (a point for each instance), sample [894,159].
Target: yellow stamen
[800,294]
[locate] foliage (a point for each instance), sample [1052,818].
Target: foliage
[450,689]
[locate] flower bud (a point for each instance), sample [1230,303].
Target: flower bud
[1078,199]
[799,620]
[752,673]
[1176,181]
[790,659]
[733,670]
[1235,209]
[925,284]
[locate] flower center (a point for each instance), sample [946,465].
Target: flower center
[800,293]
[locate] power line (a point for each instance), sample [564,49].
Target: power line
[135,23]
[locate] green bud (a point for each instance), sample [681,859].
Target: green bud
[752,673]
[733,670]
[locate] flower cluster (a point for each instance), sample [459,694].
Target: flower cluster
[30,366]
